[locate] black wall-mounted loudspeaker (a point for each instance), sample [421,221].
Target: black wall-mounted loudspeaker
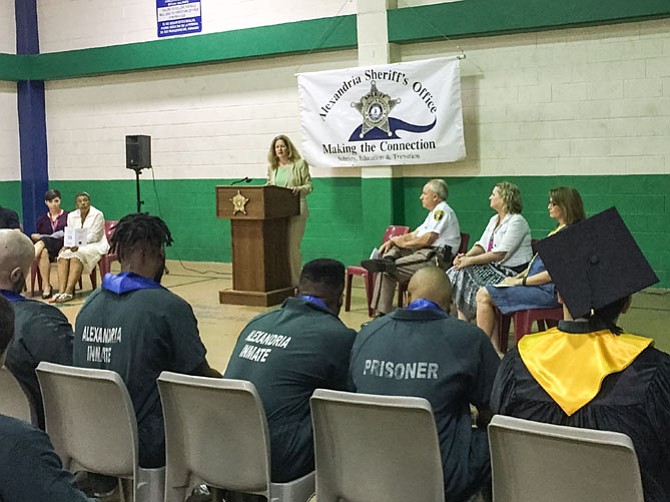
[138,152]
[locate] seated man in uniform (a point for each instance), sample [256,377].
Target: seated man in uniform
[423,351]
[586,372]
[436,241]
[42,332]
[287,353]
[30,469]
[134,326]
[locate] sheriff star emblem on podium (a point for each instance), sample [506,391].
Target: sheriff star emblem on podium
[375,107]
[239,202]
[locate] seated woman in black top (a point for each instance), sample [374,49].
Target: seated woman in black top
[49,237]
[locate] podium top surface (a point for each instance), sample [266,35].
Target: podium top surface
[265,202]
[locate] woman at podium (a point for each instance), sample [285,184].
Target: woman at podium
[287,169]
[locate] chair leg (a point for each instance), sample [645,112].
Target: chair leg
[401,295]
[94,278]
[35,274]
[104,265]
[522,324]
[347,300]
[504,323]
[369,287]
[551,323]
[126,491]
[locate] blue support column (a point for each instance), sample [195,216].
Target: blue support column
[32,120]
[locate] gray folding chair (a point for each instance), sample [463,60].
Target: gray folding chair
[14,401]
[534,461]
[375,448]
[91,422]
[216,433]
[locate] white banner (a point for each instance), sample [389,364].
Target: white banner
[402,113]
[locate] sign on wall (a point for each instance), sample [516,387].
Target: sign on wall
[402,113]
[178,17]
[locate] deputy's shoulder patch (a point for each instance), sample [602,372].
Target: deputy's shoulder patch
[438,215]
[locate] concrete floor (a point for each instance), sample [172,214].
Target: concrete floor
[199,284]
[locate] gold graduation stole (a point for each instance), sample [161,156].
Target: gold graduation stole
[571,367]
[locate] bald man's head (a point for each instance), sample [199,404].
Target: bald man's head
[16,255]
[432,284]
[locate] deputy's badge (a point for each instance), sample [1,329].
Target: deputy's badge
[375,107]
[239,202]
[438,215]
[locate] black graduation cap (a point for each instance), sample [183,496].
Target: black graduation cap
[595,262]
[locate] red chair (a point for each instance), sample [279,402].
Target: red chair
[523,323]
[402,288]
[105,262]
[391,231]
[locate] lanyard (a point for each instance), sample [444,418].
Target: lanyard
[314,300]
[12,297]
[423,304]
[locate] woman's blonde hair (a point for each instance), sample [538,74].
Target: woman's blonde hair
[293,153]
[511,196]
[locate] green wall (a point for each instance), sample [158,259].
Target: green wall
[475,18]
[10,195]
[338,227]
[449,20]
[642,200]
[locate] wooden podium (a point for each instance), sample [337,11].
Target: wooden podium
[259,226]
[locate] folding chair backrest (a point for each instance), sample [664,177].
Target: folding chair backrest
[465,242]
[394,231]
[14,402]
[375,448]
[90,418]
[215,430]
[110,228]
[533,461]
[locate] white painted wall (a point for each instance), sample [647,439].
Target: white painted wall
[10,167]
[213,121]
[579,101]
[7,27]
[78,24]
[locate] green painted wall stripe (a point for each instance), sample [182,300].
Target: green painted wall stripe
[10,196]
[339,228]
[266,41]
[472,18]
[13,67]
[414,24]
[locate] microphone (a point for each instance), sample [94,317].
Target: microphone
[246,179]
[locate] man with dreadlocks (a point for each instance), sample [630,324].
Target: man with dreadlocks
[136,327]
[586,372]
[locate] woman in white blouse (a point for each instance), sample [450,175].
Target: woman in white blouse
[77,260]
[503,250]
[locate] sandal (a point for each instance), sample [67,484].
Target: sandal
[55,297]
[46,295]
[62,298]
